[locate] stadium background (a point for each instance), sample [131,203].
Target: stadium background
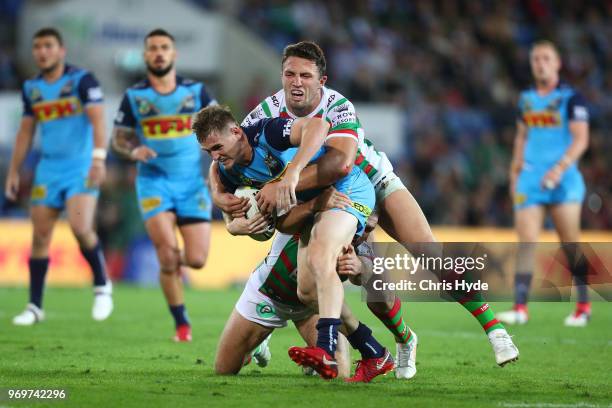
[435,84]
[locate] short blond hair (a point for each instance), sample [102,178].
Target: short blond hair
[211,119]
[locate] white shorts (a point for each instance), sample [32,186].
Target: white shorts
[258,308]
[388,184]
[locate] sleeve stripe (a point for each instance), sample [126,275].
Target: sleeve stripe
[266,109]
[343,132]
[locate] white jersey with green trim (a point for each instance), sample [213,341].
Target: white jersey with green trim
[340,113]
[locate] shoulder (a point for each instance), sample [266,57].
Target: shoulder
[253,131]
[77,73]
[140,85]
[188,82]
[335,99]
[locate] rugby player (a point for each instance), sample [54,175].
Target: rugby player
[153,128]
[270,299]
[552,134]
[255,155]
[304,94]
[67,103]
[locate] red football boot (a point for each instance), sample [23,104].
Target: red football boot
[183,333]
[317,359]
[371,368]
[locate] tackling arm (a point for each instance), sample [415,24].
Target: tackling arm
[336,163]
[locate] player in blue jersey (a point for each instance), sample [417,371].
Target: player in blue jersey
[255,155]
[304,94]
[153,127]
[66,102]
[552,134]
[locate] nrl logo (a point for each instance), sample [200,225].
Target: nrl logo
[66,89]
[554,105]
[187,105]
[35,95]
[145,107]
[527,106]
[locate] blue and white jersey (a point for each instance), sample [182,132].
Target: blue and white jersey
[547,118]
[59,108]
[163,123]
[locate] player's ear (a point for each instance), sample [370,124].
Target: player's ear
[323,80]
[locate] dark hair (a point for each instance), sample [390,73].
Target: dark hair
[211,119]
[49,32]
[158,32]
[307,50]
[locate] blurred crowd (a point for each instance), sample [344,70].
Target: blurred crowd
[454,68]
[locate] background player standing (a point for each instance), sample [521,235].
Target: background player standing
[67,102]
[552,134]
[153,127]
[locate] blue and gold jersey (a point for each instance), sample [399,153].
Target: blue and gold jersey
[163,123]
[547,119]
[272,152]
[59,108]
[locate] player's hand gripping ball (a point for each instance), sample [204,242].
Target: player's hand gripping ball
[250,193]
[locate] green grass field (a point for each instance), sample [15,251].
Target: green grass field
[129,360]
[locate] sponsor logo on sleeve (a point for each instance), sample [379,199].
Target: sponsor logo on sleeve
[287,128]
[581,113]
[94,94]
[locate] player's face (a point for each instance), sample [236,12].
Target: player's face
[545,63]
[225,147]
[159,55]
[302,85]
[47,53]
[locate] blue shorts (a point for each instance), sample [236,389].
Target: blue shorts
[530,192]
[187,197]
[360,190]
[56,181]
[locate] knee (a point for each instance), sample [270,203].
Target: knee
[320,261]
[169,259]
[41,238]
[307,297]
[380,307]
[222,368]
[197,260]
[82,234]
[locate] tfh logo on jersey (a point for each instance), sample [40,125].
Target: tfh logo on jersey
[57,109]
[165,127]
[542,119]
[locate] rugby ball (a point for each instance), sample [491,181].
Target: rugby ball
[250,193]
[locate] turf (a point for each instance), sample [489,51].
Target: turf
[129,360]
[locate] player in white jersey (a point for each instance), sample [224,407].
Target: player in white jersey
[304,95]
[270,298]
